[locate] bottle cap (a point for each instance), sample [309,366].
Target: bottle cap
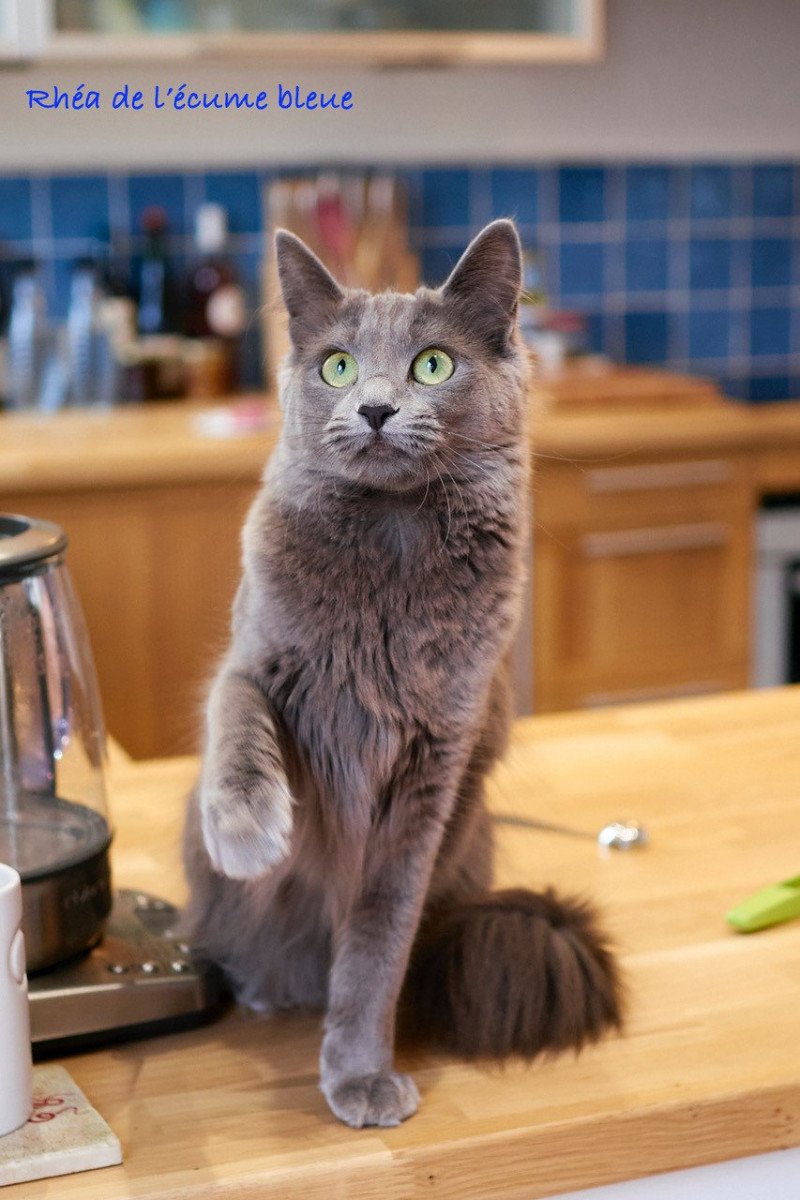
[154,219]
[211,228]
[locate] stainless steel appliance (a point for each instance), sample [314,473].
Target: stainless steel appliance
[54,825]
[777,600]
[140,979]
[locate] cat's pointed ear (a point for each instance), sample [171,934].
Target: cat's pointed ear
[486,281]
[310,292]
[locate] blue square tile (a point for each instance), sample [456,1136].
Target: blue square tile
[771,262]
[598,333]
[79,206]
[411,179]
[59,281]
[239,194]
[614,188]
[709,333]
[710,263]
[762,388]
[515,193]
[648,193]
[647,265]
[773,186]
[769,331]
[438,262]
[248,267]
[646,337]
[581,193]
[445,198]
[711,191]
[252,357]
[735,386]
[164,191]
[15,210]
[581,266]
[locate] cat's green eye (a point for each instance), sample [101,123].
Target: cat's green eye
[432,366]
[340,369]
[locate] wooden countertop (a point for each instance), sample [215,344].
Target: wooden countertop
[163,443]
[706,429]
[708,1068]
[127,446]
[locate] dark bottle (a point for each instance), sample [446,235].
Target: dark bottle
[156,308]
[215,304]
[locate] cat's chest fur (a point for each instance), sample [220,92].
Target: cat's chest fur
[384,619]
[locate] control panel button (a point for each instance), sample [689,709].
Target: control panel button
[16,957]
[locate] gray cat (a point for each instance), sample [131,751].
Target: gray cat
[337,847]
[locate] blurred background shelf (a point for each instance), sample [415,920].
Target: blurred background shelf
[357,48]
[438,33]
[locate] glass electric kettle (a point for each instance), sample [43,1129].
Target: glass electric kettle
[54,827]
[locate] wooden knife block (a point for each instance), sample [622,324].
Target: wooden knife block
[362,240]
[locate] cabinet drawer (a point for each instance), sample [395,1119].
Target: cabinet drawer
[571,495]
[624,613]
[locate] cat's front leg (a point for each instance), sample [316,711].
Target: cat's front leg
[357,1071]
[245,802]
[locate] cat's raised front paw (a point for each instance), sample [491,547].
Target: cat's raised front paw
[383,1099]
[246,835]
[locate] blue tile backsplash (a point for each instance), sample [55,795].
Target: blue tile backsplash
[581,193]
[647,265]
[648,191]
[694,265]
[582,269]
[15,210]
[711,192]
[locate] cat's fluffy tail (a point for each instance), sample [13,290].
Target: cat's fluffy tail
[514,973]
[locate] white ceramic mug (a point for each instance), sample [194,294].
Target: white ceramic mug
[16,1070]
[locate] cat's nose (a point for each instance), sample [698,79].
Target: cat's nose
[376,414]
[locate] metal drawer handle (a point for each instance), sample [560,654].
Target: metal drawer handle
[655,540]
[658,475]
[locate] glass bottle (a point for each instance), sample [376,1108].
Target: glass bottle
[215,305]
[28,339]
[156,307]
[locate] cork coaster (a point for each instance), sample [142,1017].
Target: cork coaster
[64,1134]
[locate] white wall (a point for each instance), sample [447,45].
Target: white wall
[697,78]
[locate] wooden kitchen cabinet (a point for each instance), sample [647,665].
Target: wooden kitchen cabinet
[641,586]
[153,509]
[156,569]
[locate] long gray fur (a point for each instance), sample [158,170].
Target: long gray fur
[363,697]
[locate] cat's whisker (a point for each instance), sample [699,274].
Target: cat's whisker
[449,454]
[463,503]
[480,443]
[447,501]
[421,504]
[512,446]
